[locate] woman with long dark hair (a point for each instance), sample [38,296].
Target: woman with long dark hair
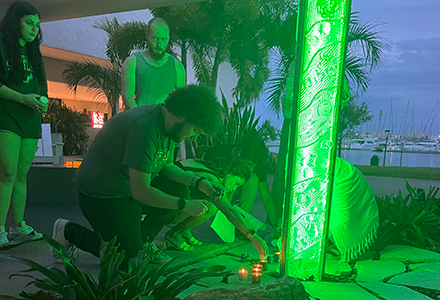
[22,84]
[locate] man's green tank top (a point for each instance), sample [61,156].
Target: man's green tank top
[153,84]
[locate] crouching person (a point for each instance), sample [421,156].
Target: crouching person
[127,165]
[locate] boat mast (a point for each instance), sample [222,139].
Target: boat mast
[405,115]
[412,132]
[391,127]
[434,118]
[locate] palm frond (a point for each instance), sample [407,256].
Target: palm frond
[126,38]
[236,8]
[109,25]
[202,67]
[369,38]
[276,85]
[366,50]
[100,81]
[358,76]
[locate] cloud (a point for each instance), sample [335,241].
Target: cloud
[411,63]
[411,70]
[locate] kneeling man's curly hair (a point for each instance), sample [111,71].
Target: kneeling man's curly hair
[198,105]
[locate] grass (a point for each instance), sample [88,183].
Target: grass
[401,172]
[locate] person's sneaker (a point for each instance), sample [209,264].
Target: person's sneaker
[24,231]
[69,250]
[3,238]
[156,256]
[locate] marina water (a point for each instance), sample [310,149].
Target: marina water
[409,159]
[396,159]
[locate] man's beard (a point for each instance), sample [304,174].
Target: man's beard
[157,56]
[175,132]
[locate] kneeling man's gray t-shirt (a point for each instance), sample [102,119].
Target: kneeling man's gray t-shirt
[132,139]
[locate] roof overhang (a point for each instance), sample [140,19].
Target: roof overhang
[53,10]
[65,55]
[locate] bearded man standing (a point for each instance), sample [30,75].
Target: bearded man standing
[149,76]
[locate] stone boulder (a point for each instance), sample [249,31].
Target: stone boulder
[285,288]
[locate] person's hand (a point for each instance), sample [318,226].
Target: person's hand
[196,208]
[33,101]
[215,191]
[261,246]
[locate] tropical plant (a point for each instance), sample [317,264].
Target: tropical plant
[104,80]
[268,132]
[238,32]
[411,220]
[366,50]
[137,283]
[238,122]
[123,38]
[71,124]
[352,115]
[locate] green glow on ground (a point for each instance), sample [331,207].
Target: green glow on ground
[319,68]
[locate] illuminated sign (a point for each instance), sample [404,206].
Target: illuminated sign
[97,119]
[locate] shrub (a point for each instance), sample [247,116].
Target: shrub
[412,220]
[71,124]
[112,283]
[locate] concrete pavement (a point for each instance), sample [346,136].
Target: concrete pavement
[402,273]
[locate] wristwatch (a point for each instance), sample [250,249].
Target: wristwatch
[198,182]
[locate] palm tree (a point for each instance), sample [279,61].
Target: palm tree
[236,31]
[104,81]
[366,50]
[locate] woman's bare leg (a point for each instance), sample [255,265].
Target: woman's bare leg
[9,156]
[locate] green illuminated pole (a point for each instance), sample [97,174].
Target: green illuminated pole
[320,61]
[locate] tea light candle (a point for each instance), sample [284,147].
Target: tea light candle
[263,262]
[259,270]
[256,277]
[276,256]
[242,275]
[258,266]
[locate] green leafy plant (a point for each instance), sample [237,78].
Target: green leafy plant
[411,220]
[71,124]
[238,122]
[112,283]
[268,132]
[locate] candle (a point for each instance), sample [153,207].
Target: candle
[256,277]
[276,256]
[263,262]
[258,266]
[242,275]
[259,270]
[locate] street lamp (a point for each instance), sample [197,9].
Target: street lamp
[386,144]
